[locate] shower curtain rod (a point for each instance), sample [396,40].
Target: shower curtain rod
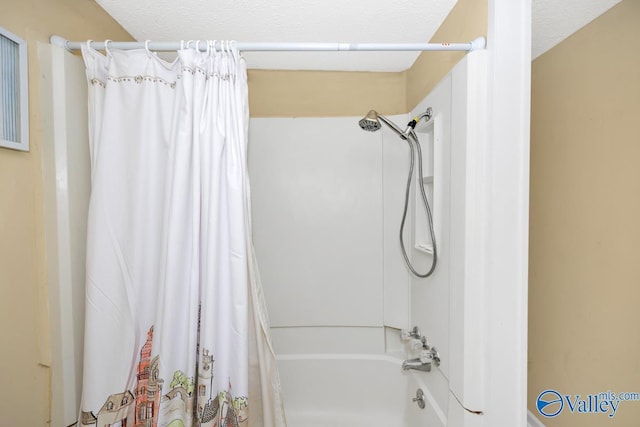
[478,43]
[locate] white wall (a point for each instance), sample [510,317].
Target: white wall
[319,189]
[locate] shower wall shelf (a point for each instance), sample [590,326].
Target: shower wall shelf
[425,248]
[422,241]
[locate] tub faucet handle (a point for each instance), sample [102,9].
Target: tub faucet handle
[417,343]
[430,355]
[407,334]
[419,399]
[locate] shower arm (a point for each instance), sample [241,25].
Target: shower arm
[409,131]
[412,124]
[402,134]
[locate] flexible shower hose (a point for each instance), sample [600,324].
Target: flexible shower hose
[412,136]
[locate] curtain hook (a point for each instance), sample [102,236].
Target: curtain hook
[198,45]
[181,44]
[234,50]
[213,46]
[106,47]
[208,47]
[189,44]
[146,47]
[89,44]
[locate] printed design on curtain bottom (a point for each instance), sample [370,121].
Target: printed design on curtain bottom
[146,405]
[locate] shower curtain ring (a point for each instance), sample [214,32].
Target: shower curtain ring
[106,47]
[146,47]
[234,50]
[213,45]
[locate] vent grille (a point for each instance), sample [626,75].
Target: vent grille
[9,90]
[14,111]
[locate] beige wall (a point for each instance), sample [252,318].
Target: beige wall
[584,280]
[324,93]
[320,94]
[24,372]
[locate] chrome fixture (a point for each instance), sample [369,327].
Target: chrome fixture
[371,123]
[419,399]
[408,334]
[428,354]
[416,364]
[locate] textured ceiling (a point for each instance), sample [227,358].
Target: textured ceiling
[352,21]
[348,21]
[555,20]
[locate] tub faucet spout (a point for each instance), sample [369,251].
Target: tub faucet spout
[416,365]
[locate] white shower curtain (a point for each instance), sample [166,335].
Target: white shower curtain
[176,331]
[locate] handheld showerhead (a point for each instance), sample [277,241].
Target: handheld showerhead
[373,122]
[370,122]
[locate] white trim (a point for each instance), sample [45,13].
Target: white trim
[65,162]
[468,237]
[507,208]
[532,421]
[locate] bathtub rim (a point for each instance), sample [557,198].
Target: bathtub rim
[416,377]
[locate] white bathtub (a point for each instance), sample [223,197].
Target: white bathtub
[354,390]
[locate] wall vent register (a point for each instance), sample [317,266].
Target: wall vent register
[14,109]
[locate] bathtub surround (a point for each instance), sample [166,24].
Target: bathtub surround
[327,202]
